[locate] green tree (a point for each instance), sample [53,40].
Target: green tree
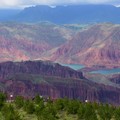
[49,113]
[105,112]
[38,99]
[51,109]
[81,111]
[59,104]
[39,109]
[29,107]
[73,106]
[2,99]
[117,113]
[87,112]
[19,101]
[9,113]
[65,102]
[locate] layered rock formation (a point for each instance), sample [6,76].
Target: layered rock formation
[37,67]
[50,79]
[98,45]
[19,41]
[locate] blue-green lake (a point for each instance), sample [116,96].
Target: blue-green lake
[104,71]
[108,71]
[74,66]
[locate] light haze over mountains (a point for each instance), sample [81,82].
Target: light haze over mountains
[23,3]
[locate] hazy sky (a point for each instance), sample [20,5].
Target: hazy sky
[22,3]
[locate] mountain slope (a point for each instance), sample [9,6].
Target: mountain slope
[98,45]
[91,45]
[7,14]
[19,41]
[70,14]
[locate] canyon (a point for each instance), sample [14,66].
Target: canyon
[30,54]
[90,45]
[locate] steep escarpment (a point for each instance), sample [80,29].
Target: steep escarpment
[51,79]
[37,67]
[98,45]
[60,88]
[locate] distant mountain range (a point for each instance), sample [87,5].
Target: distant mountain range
[66,14]
[91,45]
[8,14]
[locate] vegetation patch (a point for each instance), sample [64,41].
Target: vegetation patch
[41,108]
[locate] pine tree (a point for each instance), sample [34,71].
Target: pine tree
[38,99]
[105,112]
[2,99]
[73,106]
[29,107]
[9,113]
[117,113]
[39,109]
[19,101]
[59,104]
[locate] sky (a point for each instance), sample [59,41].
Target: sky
[24,3]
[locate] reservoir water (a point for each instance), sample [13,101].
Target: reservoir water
[108,71]
[74,66]
[104,71]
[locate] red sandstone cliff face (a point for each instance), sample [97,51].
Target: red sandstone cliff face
[75,89]
[98,45]
[37,67]
[49,79]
